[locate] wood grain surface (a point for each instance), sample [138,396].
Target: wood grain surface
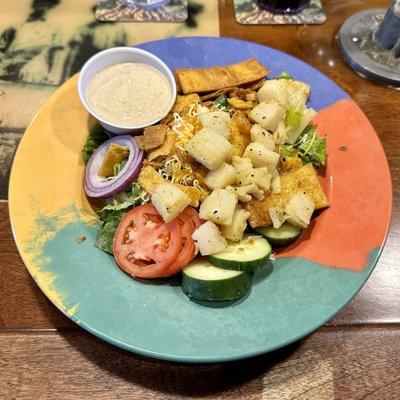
[355,363]
[43,355]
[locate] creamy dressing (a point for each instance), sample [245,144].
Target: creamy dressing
[129,94]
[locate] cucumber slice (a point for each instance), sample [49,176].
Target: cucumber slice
[247,255]
[282,236]
[203,281]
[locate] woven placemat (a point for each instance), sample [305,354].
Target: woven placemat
[117,11]
[247,12]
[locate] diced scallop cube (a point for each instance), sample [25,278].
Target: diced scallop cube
[208,239]
[298,94]
[280,133]
[299,209]
[218,121]
[258,134]
[209,148]
[260,156]
[262,178]
[223,176]
[268,114]
[169,201]
[235,230]
[276,186]
[246,177]
[245,193]
[274,89]
[241,163]
[240,192]
[277,216]
[219,207]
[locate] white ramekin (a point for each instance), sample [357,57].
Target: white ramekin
[119,55]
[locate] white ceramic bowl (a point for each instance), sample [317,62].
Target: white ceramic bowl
[119,55]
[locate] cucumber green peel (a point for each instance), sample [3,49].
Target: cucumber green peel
[250,253]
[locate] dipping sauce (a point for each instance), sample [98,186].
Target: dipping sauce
[129,94]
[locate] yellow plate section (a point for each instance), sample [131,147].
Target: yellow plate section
[49,155]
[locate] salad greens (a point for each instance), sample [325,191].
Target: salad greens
[309,147]
[293,118]
[112,213]
[105,238]
[96,137]
[312,149]
[284,75]
[221,101]
[118,167]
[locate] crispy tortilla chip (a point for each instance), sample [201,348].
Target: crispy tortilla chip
[240,133]
[140,142]
[192,192]
[149,179]
[165,149]
[289,163]
[256,85]
[198,80]
[243,123]
[198,169]
[214,95]
[115,155]
[183,103]
[154,136]
[237,140]
[302,180]
[239,104]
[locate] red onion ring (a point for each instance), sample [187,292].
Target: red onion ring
[99,187]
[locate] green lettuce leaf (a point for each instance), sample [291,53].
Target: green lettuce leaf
[118,167]
[221,101]
[292,118]
[124,200]
[105,238]
[312,149]
[112,213]
[288,150]
[284,75]
[96,137]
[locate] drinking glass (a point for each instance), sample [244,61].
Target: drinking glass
[145,4]
[284,6]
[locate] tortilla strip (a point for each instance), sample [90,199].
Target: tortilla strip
[183,103]
[140,142]
[149,179]
[154,136]
[165,149]
[303,180]
[238,138]
[198,80]
[238,104]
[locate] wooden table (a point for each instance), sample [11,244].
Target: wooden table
[43,355]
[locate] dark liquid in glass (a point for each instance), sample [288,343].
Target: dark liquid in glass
[284,6]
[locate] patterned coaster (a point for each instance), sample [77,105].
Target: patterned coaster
[117,11]
[248,12]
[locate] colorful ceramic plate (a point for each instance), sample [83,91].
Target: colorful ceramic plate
[307,284]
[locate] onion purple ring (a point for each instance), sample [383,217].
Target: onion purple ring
[100,187]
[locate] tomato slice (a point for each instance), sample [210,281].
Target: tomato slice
[188,220]
[144,245]
[194,216]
